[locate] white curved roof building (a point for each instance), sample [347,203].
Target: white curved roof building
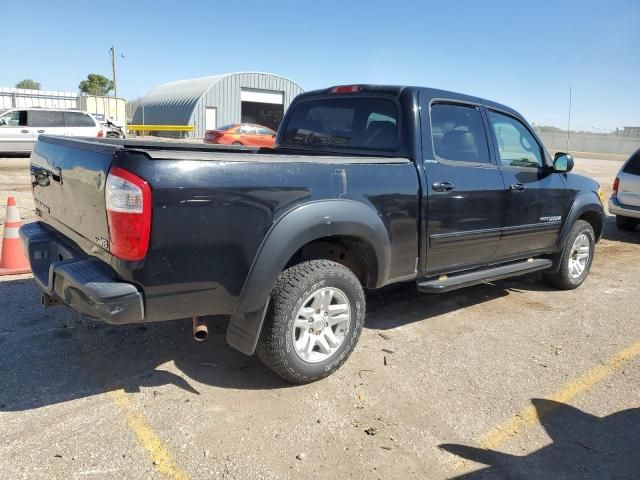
[217,100]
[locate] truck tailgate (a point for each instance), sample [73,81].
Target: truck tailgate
[68,178]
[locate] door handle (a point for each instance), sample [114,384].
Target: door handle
[24,131]
[40,131]
[56,174]
[517,187]
[442,187]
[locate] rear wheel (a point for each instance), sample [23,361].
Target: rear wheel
[237,144]
[577,257]
[627,224]
[314,321]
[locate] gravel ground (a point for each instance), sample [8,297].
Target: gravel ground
[432,379]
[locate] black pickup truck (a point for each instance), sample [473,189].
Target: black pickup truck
[367,186]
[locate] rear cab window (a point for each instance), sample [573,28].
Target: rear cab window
[351,123]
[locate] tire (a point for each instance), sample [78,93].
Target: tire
[626,224]
[296,289]
[568,278]
[237,144]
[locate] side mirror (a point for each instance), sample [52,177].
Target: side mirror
[3,121]
[562,162]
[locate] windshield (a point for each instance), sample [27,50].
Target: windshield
[348,122]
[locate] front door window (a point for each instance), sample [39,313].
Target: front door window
[516,145]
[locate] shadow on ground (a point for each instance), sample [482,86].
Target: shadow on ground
[52,356]
[611,232]
[583,447]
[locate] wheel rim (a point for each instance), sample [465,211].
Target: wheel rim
[579,257]
[321,325]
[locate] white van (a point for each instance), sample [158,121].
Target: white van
[20,128]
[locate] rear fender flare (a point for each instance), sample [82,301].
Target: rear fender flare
[304,224]
[292,231]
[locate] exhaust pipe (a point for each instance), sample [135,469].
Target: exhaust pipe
[200,329]
[47,301]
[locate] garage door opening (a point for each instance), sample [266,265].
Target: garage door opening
[263,107]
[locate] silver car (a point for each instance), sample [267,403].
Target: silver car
[625,200]
[20,127]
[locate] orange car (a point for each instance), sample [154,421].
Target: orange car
[246,134]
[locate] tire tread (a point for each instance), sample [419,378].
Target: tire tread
[561,279]
[271,348]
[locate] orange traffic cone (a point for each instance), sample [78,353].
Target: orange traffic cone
[12,259]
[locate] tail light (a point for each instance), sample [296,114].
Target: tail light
[100,133]
[346,89]
[128,200]
[616,185]
[213,133]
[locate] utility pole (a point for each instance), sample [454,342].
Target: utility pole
[569,121]
[112,51]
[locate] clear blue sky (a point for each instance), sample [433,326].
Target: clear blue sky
[524,54]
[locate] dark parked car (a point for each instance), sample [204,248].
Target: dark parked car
[367,186]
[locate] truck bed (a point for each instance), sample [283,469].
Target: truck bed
[212,209]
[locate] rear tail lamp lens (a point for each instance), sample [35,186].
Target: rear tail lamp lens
[128,201]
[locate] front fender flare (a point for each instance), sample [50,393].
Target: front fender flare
[586,202]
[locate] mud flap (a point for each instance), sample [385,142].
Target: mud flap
[243,331]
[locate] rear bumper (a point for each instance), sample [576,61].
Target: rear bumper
[86,284]
[617,208]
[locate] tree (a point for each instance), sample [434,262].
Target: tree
[28,84]
[96,84]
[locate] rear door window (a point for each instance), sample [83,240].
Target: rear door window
[45,118]
[348,122]
[458,133]
[78,119]
[633,165]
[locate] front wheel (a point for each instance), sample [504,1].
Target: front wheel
[314,321]
[577,257]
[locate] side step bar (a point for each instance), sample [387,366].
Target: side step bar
[446,283]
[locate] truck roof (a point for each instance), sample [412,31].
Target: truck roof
[429,92]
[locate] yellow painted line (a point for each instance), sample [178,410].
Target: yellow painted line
[158,451]
[530,416]
[167,128]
